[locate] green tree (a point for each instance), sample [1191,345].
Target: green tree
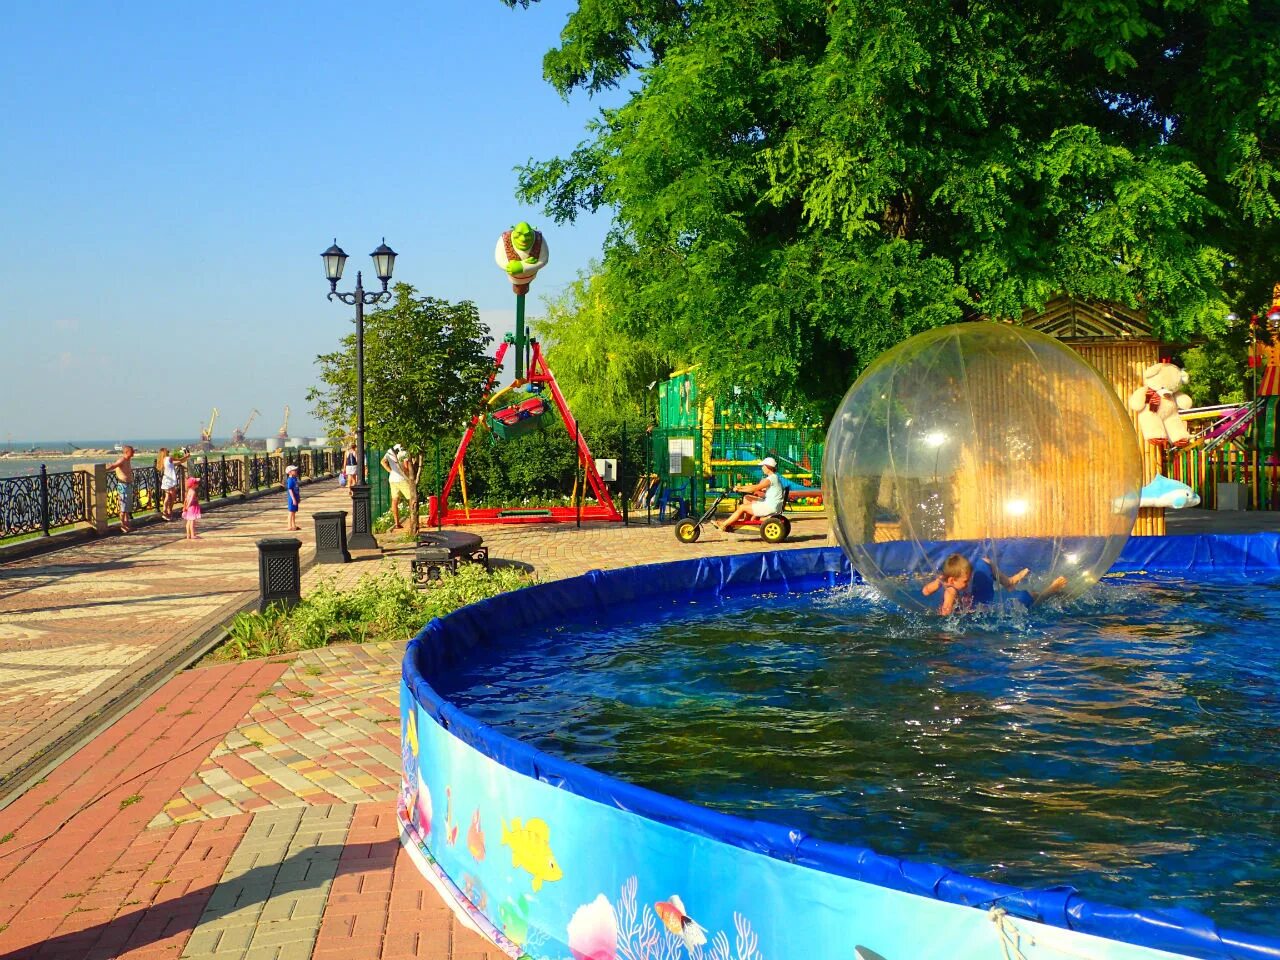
[602,368]
[1217,370]
[799,184]
[425,365]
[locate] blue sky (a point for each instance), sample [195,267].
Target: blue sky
[171,172]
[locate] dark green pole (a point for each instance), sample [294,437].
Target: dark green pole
[520,336]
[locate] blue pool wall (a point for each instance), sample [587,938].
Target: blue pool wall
[455,742]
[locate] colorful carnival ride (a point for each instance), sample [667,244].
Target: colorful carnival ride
[1237,446]
[520,408]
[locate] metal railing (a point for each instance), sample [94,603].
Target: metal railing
[43,501]
[39,503]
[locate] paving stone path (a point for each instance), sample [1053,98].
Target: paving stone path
[240,810]
[81,626]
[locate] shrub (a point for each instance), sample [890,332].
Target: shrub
[382,606]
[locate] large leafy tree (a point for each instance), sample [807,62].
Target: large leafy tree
[425,365]
[603,367]
[799,184]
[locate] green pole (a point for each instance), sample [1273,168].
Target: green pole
[520,336]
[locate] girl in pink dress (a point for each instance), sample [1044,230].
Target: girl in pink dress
[191,507]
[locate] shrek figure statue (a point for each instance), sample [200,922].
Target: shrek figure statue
[521,252]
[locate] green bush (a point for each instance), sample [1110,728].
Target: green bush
[386,605]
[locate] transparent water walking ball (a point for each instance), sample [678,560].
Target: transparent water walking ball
[990,441]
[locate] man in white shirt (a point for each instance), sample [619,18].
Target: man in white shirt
[398,482]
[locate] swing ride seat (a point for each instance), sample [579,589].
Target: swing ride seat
[518,419]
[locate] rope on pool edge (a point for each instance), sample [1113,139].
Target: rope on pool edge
[1010,935]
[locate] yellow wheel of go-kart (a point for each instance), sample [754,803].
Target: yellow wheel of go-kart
[775,529]
[687,531]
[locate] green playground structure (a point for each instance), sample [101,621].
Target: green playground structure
[703,445]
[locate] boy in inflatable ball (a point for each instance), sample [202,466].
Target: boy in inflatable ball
[978,448]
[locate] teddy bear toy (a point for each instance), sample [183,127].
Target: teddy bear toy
[1158,403]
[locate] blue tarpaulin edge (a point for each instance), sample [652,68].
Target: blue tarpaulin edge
[442,641]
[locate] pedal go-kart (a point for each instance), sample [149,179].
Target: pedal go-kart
[773,529]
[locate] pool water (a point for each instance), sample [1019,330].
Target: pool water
[1127,744]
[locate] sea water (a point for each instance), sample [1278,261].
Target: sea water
[1127,744]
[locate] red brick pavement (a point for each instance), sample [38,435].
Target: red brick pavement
[74,869]
[381,908]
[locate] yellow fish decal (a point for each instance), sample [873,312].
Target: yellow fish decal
[530,845]
[411,732]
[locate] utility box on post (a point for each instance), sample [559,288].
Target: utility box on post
[1231,496]
[279,573]
[331,537]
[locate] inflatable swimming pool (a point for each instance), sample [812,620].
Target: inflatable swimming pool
[550,858]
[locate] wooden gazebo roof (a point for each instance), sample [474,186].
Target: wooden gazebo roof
[1068,318]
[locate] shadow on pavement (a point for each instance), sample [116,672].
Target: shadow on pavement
[205,906]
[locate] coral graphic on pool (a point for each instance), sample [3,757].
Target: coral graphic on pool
[598,931]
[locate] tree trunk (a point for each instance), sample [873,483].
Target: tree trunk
[411,467]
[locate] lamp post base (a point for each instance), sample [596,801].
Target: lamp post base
[361,523]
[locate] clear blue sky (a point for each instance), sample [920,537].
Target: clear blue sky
[170,173]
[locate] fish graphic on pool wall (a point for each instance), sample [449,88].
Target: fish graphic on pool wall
[672,914]
[530,845]
[475,838]
[450,827]
[513,916]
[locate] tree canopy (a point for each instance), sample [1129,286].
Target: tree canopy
[425,365]
[798,184]
[602,367]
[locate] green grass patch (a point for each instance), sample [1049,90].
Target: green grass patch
[386,605]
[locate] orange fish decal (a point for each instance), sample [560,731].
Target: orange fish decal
[475,838]
[450,828]
[674,918]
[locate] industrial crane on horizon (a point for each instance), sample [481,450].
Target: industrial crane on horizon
[238,435]
[206,434]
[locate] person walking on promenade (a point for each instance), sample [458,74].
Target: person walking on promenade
[123,469]
[292,493]
[391,462]
[352,469]
[191,508]
[166,466]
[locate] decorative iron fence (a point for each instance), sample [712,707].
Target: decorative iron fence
[218,477]
[38,503]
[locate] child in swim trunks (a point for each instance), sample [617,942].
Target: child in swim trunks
[963,585]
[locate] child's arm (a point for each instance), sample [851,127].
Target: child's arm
[948,601]
[930,588]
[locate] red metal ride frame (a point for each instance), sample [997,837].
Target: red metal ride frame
[538,372]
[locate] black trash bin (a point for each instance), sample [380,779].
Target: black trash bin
[331,537]
[279,572]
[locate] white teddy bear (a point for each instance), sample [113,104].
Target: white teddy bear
[1160,400]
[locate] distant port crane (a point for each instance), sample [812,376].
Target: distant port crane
[206,434]
[238,435]
[283,432]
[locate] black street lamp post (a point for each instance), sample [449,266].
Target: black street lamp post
[384,261]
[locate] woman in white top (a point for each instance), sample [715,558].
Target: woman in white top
[166,466]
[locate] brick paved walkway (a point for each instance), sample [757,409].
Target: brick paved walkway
[240,810]
[82,626]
